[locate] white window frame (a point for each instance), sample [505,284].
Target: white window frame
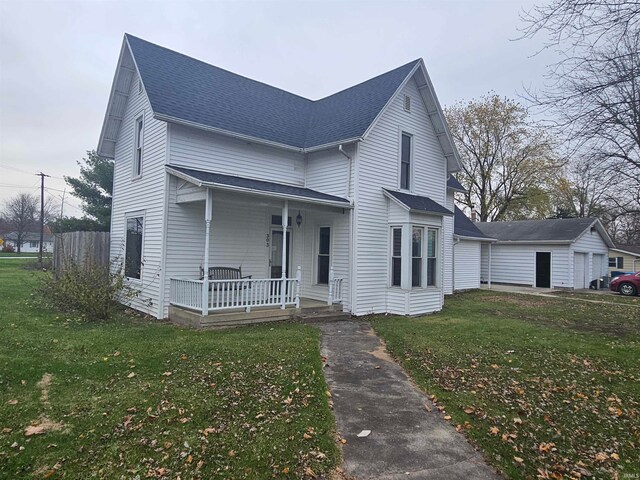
[403,132]
[421,280]
[392,256]
[617,263]
[437,258]
[316,269]
[138,145]
[127,217]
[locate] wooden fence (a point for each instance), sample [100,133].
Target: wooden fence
[84,248]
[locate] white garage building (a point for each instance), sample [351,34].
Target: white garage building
[559,253]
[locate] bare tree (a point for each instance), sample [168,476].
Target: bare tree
[20,212]
[582,192]
[593,92]
[507,161]
[22,215]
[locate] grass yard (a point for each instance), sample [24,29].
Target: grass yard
[135,398]
[546,388]
[600,297]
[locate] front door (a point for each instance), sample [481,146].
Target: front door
[543,269]
[275,262]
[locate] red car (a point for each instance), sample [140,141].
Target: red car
[626,284]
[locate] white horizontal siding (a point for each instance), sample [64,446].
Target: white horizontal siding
[144,194]
[328,171]
[515,264]
[212,152]
[467,265]
[378,167]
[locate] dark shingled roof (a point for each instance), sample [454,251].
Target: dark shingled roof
[190,90]
[629,248]
[258,185]
[554,230]
[464,227]
[419,203]
[453,183]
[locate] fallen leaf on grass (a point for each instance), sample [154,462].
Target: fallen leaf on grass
[131,375]
[494,430]
[232,453]
[518,460]
[447,417]
[12,402]
[7,430]
[167,374]
[34,430]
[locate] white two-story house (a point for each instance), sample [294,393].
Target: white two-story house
[342,200]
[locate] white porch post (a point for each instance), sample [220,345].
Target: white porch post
[489,266]
[285,224]
[207,236]
[330,297]
[298,281]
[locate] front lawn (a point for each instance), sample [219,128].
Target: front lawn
[547,388]
[133,398]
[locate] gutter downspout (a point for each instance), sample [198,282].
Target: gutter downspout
[453,264]
[348,192]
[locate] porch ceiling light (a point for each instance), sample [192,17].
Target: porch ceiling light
[298,219]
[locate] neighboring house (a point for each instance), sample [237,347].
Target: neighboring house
[342,200]
[30,242]
[624,258]
[559,253]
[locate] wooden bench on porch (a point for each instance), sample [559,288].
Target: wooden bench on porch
[225,273]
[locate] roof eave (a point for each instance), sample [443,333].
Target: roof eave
[429,212]
[636,254]
[478,239]
[231,188]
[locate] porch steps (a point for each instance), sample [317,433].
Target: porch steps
[324,316]
[313,314]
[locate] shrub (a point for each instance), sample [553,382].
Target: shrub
[8,248]
[93,291]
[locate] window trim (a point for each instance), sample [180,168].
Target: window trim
[402,133]
[127,217]
[139,120]
[392,256]
[436,257]
[316,266]
[421,278]
[617,262]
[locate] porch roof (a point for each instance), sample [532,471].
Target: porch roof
[417,203]
[260,187]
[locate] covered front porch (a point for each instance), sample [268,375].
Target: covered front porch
[269,254]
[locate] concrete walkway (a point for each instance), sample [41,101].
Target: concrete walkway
[371,392]
[549,293]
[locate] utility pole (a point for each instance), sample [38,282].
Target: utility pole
[41,175]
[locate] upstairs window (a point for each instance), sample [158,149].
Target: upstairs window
[405,162]
[396,257]
[432,256]
[138,143]
[133,248]
[324,247]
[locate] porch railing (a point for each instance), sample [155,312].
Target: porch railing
[186,293]
[335,288]
[236,294]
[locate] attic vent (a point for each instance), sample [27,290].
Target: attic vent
[139,86]
[407,103]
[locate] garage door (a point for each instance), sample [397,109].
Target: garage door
[579,265]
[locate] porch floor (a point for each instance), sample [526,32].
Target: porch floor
[231,318]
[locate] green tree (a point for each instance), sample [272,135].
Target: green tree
[94,187]
[508,163]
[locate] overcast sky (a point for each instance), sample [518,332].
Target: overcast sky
[57,59]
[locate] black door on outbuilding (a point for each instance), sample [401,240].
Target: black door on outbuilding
[543,269]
